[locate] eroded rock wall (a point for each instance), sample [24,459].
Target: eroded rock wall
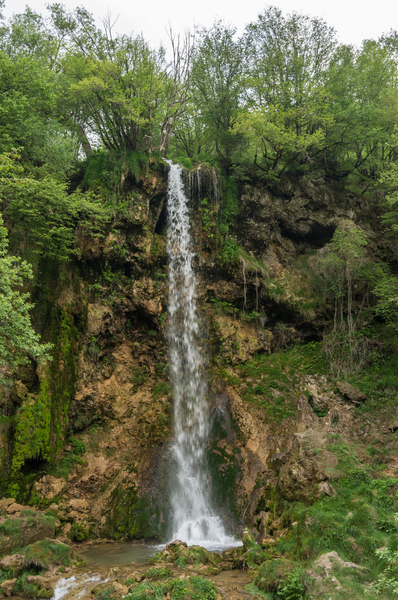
[106,396]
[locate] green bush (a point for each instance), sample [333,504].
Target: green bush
[274,574]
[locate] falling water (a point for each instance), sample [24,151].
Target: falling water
[193,519]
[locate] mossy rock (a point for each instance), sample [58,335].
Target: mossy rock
[33,586]
[180,554]
[17,532]
[252,553]
[45,553]
[273,573]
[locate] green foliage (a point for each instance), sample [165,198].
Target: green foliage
[78,532]
[349,522]
[29,117]
[345,271]
[107,172]
[160,389]
[281,576]
[41,421]
[78,446]
[218,65]
[42,213]
[293,587]
[156,573]
[190,588]
[286,123]
[388,579]
[32,429]
[280,371]
[105,594]
[378,380]
[17,336]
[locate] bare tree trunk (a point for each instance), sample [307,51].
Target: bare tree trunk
[84,142]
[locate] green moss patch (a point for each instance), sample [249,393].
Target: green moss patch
[17,532]
[269,381]
[45,553]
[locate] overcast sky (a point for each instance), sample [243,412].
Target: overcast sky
[352,19]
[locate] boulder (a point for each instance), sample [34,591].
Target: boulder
[13,562]
[351,393]
[25,531]
[16,508]
[331,559]
[307,467]
[41,587]
[7,586]
[5,503]
[49,487]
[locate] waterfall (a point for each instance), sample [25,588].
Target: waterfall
[193,519]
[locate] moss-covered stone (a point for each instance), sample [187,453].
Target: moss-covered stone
[132,516]
[45,553]
[180,554]
[273,573]
[19,532]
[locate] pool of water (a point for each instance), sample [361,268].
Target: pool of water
[118,554]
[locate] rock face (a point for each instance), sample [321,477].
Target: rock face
[107,392]
[351,393]
[307,464]
[49,487]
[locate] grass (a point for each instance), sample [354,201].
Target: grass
[43,553]
[379,381]
[268,381]
[190,588]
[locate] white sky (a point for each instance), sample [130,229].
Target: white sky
[354,20]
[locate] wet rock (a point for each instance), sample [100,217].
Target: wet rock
[350,392]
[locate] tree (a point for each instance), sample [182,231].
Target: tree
[341,263]
[217,71]
[18,339]
[29,85]
[41,213]
[362,87]
[287,112]
[117,88]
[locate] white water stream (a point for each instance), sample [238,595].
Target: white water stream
[194,521]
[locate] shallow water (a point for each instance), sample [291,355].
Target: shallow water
[119,554]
